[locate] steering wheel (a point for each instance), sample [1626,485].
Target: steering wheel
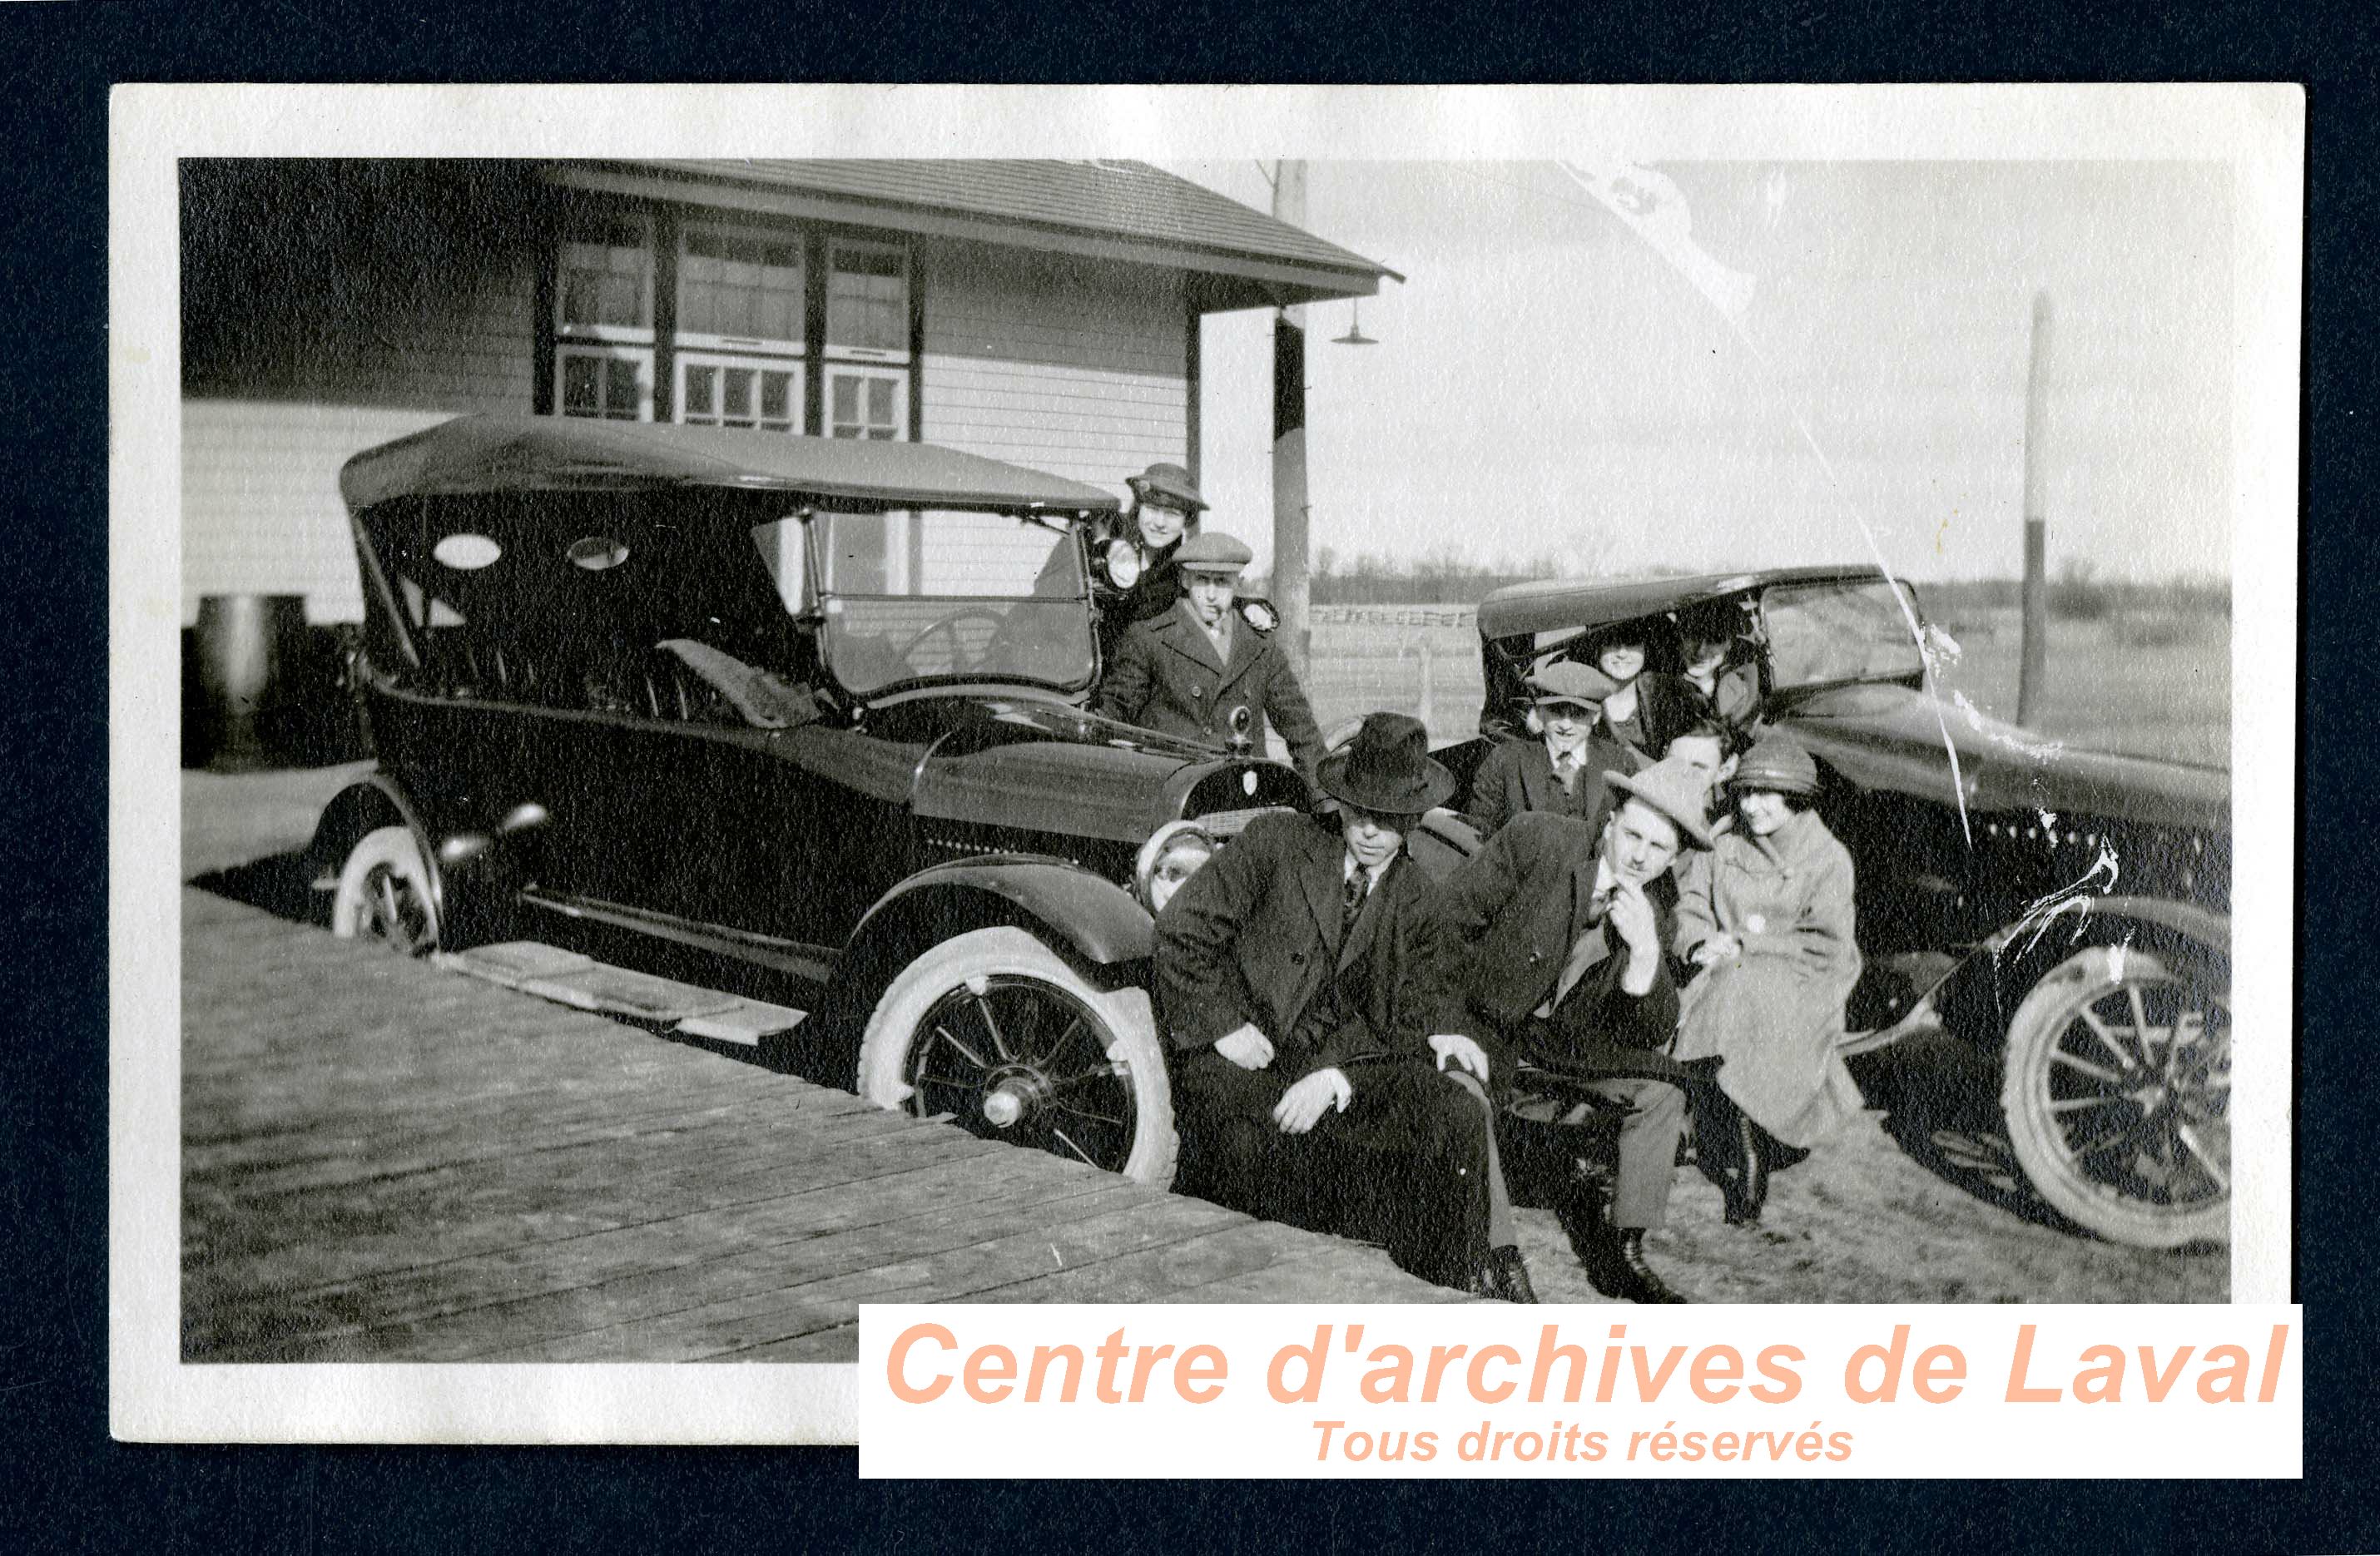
[949,624]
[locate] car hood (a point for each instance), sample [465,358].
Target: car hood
[1048,767]
[1892,738]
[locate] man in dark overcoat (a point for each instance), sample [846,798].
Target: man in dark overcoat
[1559,952]
[1311,1028]
[1209,669]
[1560,766]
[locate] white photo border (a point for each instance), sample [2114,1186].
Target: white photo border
[2257,130]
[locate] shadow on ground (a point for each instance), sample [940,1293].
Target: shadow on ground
[282,884]
[1941,1103]
[289,886]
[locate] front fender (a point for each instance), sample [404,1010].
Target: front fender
[1099,920]
[471,874]
[1980,992]
[373,801]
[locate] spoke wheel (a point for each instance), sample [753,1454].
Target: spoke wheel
[2118,1094]
[384,895]
[995,1032]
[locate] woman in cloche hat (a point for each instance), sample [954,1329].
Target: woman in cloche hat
[1768,917]
[1140,565]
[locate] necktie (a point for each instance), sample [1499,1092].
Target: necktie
[1566,769]
[1351,900]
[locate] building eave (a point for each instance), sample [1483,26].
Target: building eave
[1227,279]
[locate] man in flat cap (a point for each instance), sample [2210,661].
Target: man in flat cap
[1561,935]
[1208,670]
[1320,1070]
[1562,767]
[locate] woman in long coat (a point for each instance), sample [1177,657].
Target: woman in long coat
[1767,916]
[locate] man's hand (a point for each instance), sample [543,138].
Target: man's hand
[1302,1105]
[1632,920]
[1718,948]
[1246,1047]
[1456,1048]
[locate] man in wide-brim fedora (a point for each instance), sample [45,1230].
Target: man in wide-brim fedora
[1316,1045]
[1560,939]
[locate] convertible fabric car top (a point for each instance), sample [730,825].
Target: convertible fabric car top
[1566,605]
[485,453]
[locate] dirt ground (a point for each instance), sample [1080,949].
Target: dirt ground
[1915,1200]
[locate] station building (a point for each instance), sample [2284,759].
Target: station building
[1042,312]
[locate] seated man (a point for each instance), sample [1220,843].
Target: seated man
[1561,770]
[1560,948]
[1299,991]
[1206,671]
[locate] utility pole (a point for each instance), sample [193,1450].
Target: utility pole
[2032,666]
[1291,589]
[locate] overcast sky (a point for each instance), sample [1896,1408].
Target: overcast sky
[1547,385]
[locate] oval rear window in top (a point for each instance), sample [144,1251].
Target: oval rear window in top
[467,552]
[596,553]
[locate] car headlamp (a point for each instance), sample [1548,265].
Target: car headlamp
[1171,856]
[1122,562]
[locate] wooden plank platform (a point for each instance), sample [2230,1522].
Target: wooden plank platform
[384,1162]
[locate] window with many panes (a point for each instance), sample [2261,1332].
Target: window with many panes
[866,402]
[739,289]
[721,391]
[868,301]
[607,382]
[604,317]
[605,276]
[738,316]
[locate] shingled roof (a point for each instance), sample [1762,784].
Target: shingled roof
[1114,209]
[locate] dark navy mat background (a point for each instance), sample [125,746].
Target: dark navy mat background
[68,1488]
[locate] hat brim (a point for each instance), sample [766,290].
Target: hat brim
[1696,828]
[1771,782]
[1433,787]
[1171,496]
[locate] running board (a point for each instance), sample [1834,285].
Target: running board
[812,963]
[551,973]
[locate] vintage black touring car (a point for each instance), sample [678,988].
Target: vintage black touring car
[802,713]
[801,721]
[2068,908]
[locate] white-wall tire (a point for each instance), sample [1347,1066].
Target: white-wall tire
[2116,1091]
[384,895]
[997,1031]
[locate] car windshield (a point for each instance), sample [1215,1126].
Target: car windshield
[936,594]
[1829,632]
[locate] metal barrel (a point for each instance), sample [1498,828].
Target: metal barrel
[249,648]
